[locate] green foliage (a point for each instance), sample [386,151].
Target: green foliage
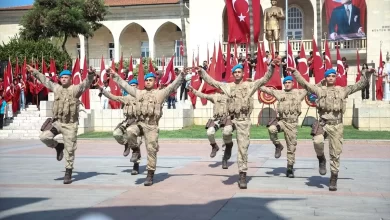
[145,62]
[63,19]
[20,48]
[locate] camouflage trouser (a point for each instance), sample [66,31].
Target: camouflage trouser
[123,137]
[151,141]
[335,136]
[69,133]
[243,139]
[290,135]
[226,134]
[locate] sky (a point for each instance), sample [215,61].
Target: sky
[12,3]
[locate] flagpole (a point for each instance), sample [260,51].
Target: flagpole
[286,29]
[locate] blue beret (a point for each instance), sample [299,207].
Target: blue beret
[149,75]
[133,81]
[65,73]
[288,78]
[330,71]
[238,66]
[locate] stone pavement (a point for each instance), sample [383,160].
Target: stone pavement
[189,185]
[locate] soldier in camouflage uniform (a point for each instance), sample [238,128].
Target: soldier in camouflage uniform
[220,119]
[120,133]
[65,115]
[331,105]
[148,113]
[289,109]
[240,106]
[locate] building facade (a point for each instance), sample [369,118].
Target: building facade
[153,29]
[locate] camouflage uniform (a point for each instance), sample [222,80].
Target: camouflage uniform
[240,106]
[65,119]
[148,113]
[121,132]
[289,109]
[219,120]
[331,105]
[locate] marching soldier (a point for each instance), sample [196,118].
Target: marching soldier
[121,133]
[220,119]
[331,105]
[148,113]
[289,109]
[240,106]
[65,115]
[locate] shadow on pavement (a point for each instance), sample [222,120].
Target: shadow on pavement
[219,164]
[10,203]
[281,171]
[159,177]
[247,208]
[321,181]
[84,175]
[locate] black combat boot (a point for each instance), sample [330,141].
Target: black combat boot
[322,164]
[214,150]
[227,155]
[126,152]
[68,176]
[135,170]
[60,151]
[278,150]
[242,180]
[136,155]
[149,178]
[290,171]
[333,181]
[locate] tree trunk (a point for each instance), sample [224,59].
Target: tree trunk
[183,32]
[251,30]
[63,44]
[87,49]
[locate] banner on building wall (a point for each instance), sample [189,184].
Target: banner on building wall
[238,20]
[345,19]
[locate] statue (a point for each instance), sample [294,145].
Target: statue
[272,16]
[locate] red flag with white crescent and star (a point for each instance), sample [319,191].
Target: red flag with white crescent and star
[379,81]
[328,58]
[76,75]
[238,20]
[302,66]
[341,79]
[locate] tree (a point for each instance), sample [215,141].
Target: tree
[62,19]
[21,48]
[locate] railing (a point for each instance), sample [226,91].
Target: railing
[96,62]
[296,45]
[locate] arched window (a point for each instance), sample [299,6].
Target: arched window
[295,23]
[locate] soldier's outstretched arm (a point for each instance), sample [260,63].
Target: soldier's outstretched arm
[306,85]
[112,97]
[173,86]
[86,83]
[273,92]
[123,84]
[366,75]
[210,80]
[260,82]
[201,94]
[42,78]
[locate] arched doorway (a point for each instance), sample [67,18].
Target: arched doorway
[167,42]
[101,44]
[134,40]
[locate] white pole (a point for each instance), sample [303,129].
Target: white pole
[286,29]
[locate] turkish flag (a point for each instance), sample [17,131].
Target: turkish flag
[181,48]
[238,20]
[169,74]
[85,96]
[220,65]
[103,75]
[24,70]
[317,63]
[358,66]
[141,75]
[53,70]
[328,58]
[76,75]
[302,66]
[379,81]
[341,79]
